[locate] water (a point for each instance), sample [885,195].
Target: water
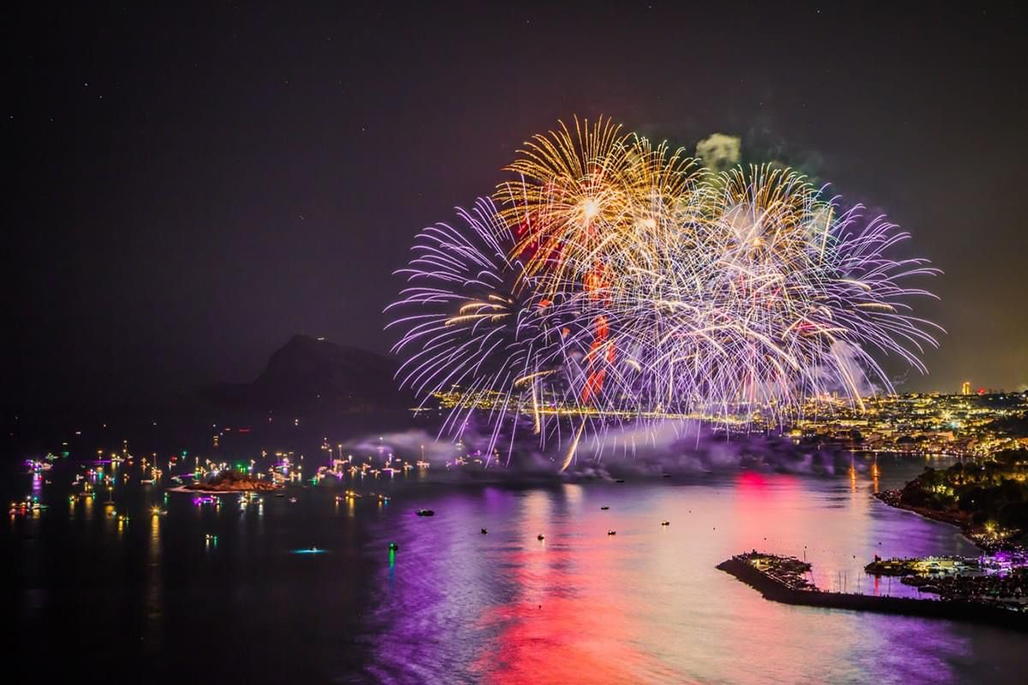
[154,600]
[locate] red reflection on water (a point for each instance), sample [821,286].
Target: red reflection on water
[571,620]
[564,598]
[751,483]
[764,507]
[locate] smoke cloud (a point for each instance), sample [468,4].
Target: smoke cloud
[849,357]
[670,448]
[719,151]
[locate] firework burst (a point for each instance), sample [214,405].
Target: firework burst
[613,280]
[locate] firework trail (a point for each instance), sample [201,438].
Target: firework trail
[614,281]
[475,329]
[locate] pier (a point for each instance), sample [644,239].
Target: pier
[775,577]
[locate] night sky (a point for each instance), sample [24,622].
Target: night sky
[192,186]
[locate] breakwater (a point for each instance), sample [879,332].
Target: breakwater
[775,590]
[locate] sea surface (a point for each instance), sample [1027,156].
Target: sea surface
[234,594]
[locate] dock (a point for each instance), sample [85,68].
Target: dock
[779,579]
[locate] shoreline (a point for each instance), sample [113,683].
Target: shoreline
[891,499]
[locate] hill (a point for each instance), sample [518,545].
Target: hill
[309,375]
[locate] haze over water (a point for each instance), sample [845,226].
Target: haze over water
[153,601]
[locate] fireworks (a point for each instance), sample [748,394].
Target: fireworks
[587,209]
[611,280]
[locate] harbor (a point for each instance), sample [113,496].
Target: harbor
[783,579]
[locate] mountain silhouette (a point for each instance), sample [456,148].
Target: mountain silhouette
[313,375]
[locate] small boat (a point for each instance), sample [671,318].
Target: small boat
[540,536]
[310,550]
[604,508]
[425,512]
[665,523]
[393,547]
[620,480]
[485,532]
[612,532]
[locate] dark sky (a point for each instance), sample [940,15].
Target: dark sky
[193,185]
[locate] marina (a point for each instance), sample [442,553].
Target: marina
[782,579]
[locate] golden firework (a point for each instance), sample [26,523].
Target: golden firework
[590,201]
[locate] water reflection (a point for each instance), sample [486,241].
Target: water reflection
[646,604]
[452,604]
[154,590]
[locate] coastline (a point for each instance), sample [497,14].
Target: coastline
[891,498]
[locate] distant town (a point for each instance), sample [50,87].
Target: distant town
[967,424]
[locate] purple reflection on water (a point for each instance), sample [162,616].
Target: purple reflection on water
[647,604]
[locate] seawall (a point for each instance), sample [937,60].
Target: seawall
[905,606]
